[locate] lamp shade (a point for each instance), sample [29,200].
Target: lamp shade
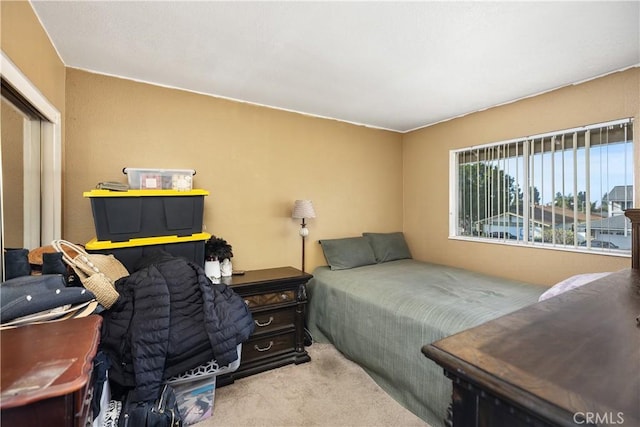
[303,209]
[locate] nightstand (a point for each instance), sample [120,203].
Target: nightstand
[277,298]
[46,375]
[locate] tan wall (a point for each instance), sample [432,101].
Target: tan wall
[25,42]
[426,174]
[255,162]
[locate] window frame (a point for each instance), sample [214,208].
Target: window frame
[454,189]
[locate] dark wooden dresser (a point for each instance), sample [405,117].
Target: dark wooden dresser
[277,299]
[568,361]
[46,373]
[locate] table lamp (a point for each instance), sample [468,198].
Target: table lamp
[303,209]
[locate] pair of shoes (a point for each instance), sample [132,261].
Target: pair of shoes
[52,264]
[16,263]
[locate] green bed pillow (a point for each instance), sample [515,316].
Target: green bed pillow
[388,246]
[348,252]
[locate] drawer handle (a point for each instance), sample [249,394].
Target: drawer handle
[89,397]
[247,302]
[267,348]
[267,323]
[284,297]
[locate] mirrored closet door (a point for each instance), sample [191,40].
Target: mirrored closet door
[30,159]
[20,178]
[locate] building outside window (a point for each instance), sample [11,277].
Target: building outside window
[566,189]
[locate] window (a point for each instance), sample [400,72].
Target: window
[566,189]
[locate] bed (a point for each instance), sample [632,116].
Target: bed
[379,307]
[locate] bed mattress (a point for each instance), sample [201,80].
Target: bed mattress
[381,315]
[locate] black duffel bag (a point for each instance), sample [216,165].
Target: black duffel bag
[163,412]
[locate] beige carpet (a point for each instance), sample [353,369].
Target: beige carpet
[328,391]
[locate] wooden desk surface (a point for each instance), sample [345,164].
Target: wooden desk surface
[59,354]
[578,352]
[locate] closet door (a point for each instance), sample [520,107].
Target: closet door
[30,164]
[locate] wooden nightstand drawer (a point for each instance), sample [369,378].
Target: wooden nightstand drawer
[274,298]
[84,405]
[82,402]
[266,347]
[269,321]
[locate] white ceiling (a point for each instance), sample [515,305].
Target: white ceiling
[392,64]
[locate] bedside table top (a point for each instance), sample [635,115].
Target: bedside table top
[268,275]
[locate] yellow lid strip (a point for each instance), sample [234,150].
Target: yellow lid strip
[143,193]
[95,244]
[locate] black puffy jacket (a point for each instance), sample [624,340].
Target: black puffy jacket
[168,319]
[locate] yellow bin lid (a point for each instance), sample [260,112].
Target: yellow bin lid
[144,193]
[97,245]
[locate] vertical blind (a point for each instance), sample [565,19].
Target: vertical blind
[566,188]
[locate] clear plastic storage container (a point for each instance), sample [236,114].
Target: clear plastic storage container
[160,179]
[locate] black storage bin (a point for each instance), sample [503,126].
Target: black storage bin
[128,253]
[120,216]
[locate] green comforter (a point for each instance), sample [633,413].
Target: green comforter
[381,315]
